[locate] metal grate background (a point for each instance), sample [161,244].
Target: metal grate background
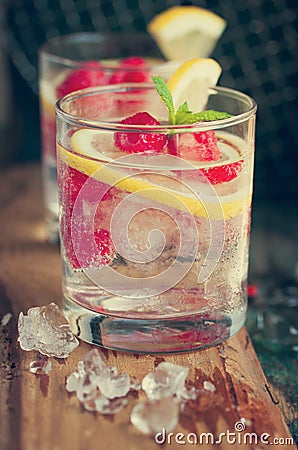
[258,53]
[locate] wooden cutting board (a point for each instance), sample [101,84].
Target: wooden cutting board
[36,412]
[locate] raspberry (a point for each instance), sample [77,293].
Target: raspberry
[202,147]
[140,142]
[195,146]
[133,61]
[126,74]
[91,74]
[131,76]
[104,244]
[223,174]
[71,182]
[173,140]
[207,146]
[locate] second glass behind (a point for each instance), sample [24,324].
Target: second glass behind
[76,61]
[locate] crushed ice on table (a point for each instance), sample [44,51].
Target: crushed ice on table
[166,380]
[151,417]
[135,384]
[103,405]
[40,367]
[246,421]
[46,329]
[167,394]
[99,387]
[208,386]
[187,393]
[5,319]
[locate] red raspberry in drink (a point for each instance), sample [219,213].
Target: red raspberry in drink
[195,146]
[202,147]
[79,247]
[91,74]
[224,173]
[133,142]
[131,70]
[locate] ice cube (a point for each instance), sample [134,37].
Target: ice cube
[106,406]
[45,329]
[98,386]
[246,421]
[165,381]
[208,386]
[93,362]
[82,385]
[40,367]
[186,393]
[135,384]
[87,389]
[114,386]
[73,382]
[5,319]
[150,417]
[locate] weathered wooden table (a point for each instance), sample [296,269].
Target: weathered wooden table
[36,412]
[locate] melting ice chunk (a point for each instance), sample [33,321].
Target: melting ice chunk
[113,386]
[99,387]
[186,393]
[73,382]
[45,329]
[151,417]
[40,367]
[135,384]
[103,405]
[208,386]
[5,319]
[92,363]
[166,380]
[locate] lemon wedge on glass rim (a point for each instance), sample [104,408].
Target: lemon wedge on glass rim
[184,32]
[192,81]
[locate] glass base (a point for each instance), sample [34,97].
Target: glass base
[151,336]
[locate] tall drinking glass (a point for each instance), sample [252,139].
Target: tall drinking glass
[75,61]
[154,231]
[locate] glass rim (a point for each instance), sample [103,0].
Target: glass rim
[91,37]
[76,120]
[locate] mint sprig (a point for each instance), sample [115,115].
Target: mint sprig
[166,96]
[183,115]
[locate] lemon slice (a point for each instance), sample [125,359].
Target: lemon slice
[192,81]
[184,32]
[90,143]
[146,186]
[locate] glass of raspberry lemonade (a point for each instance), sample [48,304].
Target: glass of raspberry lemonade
[155,218]
[75,61]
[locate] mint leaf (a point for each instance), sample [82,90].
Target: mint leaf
[184,117]
[182,111]
[166,97]
[209,115]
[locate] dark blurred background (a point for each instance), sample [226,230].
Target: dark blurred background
[258,52]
